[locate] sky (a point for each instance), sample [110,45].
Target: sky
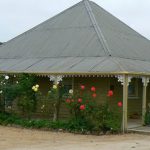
[18,16]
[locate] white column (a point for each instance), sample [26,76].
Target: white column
[145,81]
[125,79]
[125,104]
[56,79]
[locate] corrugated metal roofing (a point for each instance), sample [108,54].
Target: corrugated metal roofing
[83,39]
[75,65]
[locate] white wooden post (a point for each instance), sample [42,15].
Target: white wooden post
[125,103]
[56,80]
[125,79]
[145,81]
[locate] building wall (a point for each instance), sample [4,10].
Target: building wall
[102,84]
[102,87]
[148,96]
[135,103]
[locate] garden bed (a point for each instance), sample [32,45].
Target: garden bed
[7,119]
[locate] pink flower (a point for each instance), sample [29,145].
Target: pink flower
[119,104]
[82,107]
[94,95]
[82,87]
[93,89]
[68,101]
[79,100]
[110,93]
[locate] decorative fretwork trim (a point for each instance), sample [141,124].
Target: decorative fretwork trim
[56,79]
[145,81]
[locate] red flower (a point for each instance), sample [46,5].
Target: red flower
[110,93]
[94,95]
[68,101]
[82,87]
[93,89]
[82,107]
[79,100]
[119,104]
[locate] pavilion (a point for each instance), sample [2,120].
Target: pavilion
[85,43]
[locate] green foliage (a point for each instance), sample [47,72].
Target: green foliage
[107,118]
[55,95]
[9,91]
[90,116]
[18,87]
[71,126]
[147,118]
[9,119]
[86,114]
[25,84]
[27,98]
[81,104]
[79,125]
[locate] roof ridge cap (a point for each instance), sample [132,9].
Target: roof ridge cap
[97,28]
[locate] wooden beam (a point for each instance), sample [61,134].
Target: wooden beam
[125,104]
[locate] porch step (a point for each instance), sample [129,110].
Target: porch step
[140,130]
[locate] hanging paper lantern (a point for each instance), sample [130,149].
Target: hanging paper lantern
[93,89]
[119,104]
[110,93]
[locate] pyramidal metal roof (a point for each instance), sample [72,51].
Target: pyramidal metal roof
[82,39]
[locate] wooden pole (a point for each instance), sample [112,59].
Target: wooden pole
[125,104]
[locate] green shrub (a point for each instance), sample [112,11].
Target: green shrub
[8,91]
[147,118]
[6,118]
[91,117]
[27,97]
[107,118]
[108,122]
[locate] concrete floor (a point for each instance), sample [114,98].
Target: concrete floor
[135,126]
[134,123]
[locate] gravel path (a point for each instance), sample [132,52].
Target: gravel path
[23,139]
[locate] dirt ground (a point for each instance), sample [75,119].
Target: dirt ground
[23,139]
